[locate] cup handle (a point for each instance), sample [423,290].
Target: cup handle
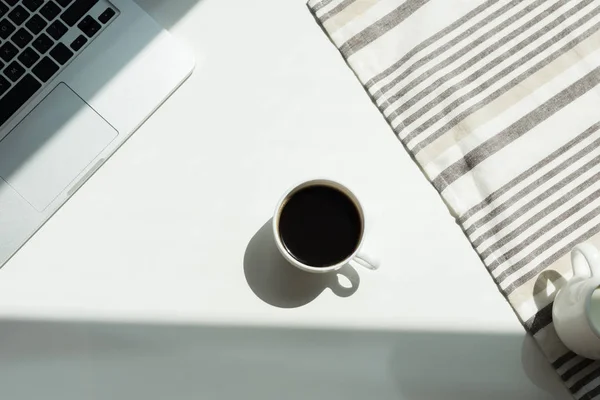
[585,259]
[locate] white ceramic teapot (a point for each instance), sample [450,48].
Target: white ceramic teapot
[576,310]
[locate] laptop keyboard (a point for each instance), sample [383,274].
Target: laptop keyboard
[38,38]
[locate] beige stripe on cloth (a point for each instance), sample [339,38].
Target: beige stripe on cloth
[509,99]
[346,15]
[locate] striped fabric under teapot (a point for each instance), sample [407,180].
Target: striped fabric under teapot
[499,104]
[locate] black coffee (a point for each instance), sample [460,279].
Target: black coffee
[320,226]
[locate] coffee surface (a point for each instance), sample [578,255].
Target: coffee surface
[320,226]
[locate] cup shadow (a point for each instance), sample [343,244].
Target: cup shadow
[280,284]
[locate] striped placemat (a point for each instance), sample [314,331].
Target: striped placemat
[499,104]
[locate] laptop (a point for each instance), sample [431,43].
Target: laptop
[77,78]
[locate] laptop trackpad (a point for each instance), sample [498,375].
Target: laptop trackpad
[42,155]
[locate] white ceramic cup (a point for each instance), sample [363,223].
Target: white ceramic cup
[572,309]
[357,257]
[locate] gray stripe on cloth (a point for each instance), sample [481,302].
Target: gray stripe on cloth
[543,230]
[540,232]
[456,120]
[481,56]
[543,196]
[485,69]
[335,10]
[526,174]
[320,5]
[516,232]
[465,50]
[576,369]
[540,320]
[592,394]
[572,363]
[516,130]
[379,28]
[446,31]
[514,268]
[497,210]
[543,265]
[562,360]
[584,381]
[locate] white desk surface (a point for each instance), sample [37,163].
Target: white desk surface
[156,281]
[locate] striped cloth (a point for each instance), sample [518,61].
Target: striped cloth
[499,104]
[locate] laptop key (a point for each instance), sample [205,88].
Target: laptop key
[3,9]
[43,43]
[33,5]
[89,26]
[8,51]
[22,38]
[77,10]
[61,53]
[64,3]
[36,24]
[6,29]
[18,15]
[78,43]
[11,2]
[28,57]
[107,15]
[45,69]
[4,85]
[17,96]
[57,29]
[50,10]
[14,71]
